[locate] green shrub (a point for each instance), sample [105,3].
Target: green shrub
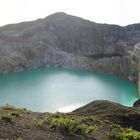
[72,126]
[16,111]
[8,107]
[19,138]
[63,122]
[129,134]
[7,118]
[38,122]
[125,134]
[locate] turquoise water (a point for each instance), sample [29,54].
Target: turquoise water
[63,90]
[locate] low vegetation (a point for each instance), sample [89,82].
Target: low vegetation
[12,108]
[22,124]
[8,107]
[125,134]
[19,138]
[7,117]
[67,123]
[11,113]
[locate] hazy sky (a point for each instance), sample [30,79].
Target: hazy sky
[122,12]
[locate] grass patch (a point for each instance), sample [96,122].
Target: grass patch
[7,117]
[66,123]
[125,134]
[90,118]
[19,138]
[8,107]
[11,113]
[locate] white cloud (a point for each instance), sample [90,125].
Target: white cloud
[121,12]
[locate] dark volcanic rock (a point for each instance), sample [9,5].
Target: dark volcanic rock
[137,103]
[125,116]
[62,40]
[103,107]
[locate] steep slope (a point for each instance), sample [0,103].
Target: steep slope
[62,40]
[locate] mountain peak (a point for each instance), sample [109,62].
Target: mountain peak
[56,15]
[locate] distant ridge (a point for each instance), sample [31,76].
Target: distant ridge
[62,40]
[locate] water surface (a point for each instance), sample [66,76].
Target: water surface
[56,89]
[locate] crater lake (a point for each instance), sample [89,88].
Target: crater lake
[57,89]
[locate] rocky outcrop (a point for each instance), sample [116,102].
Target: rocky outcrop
[135,65]
[62,40]
[137,103]
[102,107]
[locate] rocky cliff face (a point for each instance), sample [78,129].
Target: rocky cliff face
[61,40]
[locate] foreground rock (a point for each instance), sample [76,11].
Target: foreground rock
[137,103]
[61,40]
[99,120]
